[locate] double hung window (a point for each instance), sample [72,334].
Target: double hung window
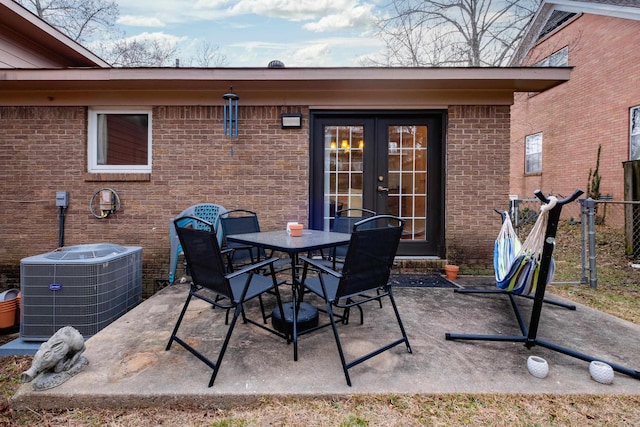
[634,133]
[533,154]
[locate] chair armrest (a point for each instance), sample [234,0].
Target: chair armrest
[321,267]
[249,268]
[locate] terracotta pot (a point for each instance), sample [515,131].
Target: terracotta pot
[451,271]
[7,313]
[18,307]
[296,230]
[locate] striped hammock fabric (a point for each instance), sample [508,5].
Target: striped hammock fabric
[506,248]
[517,270]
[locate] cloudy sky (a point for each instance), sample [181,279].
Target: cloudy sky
[250,33]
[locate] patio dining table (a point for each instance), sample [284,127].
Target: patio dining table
[281,241]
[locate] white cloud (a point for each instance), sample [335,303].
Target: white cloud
[357,17]
[140,21]
[322,15]
[254,32]
[158,36]
[316,55]
[325,52]
[294,10]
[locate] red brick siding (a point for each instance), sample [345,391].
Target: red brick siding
[592,108]
[477,181]
[43,150]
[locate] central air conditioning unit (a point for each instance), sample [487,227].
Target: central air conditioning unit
[84,286]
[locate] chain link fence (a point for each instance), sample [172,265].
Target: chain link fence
[585,226]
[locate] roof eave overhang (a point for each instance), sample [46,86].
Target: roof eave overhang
[264,86]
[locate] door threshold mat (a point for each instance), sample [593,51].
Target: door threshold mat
[421,281]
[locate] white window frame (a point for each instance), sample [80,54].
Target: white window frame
[634,133]
[558,58]
[530,150]
[92,149]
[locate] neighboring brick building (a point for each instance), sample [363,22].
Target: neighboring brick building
[438,139]
[564,126]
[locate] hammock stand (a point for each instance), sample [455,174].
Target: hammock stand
[529,334]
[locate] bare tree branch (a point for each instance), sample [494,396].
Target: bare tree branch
[452,32]
[78,19]
[142,53]
[209,55]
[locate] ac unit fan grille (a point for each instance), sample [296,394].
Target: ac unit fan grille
[85,294]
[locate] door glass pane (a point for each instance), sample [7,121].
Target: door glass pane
[408,178]
[343,149]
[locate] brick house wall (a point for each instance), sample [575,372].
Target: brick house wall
[591,109]
[44,151]
[477,182]
[265,169]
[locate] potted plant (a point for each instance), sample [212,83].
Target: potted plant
[451,268]
[451,271]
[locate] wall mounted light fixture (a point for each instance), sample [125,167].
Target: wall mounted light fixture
[291,120]
[230,114]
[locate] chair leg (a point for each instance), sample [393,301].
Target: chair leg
[264,315]
[395,310]
[379,299]
[175,328]
[216,368]
[335,334]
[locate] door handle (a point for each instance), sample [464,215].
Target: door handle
[381,189]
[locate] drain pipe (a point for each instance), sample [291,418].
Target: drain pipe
[62,202]
[61,228]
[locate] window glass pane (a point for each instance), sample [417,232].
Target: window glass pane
[634,137]
[407,156]
[343,148]
[533,153]
[122,139]
[556,59]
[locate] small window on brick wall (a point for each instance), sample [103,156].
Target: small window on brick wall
[559,58]
[533,154]
[119,141]
[634,133]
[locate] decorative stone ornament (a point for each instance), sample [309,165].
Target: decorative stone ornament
[537,366]
[57,360]
[601,372]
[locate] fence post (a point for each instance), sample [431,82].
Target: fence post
[591,214]
[514,205]
[583,240]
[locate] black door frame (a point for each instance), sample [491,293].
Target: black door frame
[374,121]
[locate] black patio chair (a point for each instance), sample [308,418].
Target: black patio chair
[343,222]
[367,266]
[241,221]
[211,282]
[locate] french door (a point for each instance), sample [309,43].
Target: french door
[388,162]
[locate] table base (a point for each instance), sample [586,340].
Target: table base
[307,318]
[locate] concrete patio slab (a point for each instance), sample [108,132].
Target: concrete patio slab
[129,367]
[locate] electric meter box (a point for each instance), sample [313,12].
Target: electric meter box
[62,199]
